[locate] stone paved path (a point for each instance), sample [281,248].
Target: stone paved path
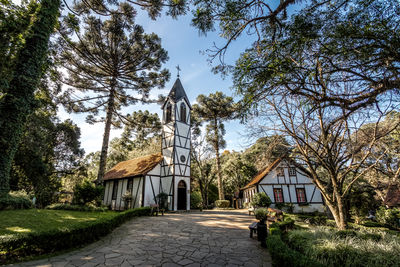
[210,238]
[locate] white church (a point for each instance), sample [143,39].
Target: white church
[166,172]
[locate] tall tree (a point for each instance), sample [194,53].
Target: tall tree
[214,110]
[237,171]
[112,64]
[17,97]
[266,150]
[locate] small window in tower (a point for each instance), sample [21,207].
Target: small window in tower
[168,114]
[183,112]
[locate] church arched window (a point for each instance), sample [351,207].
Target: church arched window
[168,113]
[183,112]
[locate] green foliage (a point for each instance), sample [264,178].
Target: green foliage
[163,200]
[372,224]
[88,192]
[282,255]
[86,207]
[286,225]
[19,102]
[196,201]
[15,200]
[215,109]
[363,247]
[114,64]
[261,200]
[222,203]
[237,171]
[58,235]
[266,150]
[388,217]
[261,214]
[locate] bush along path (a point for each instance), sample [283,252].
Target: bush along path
[320,245]
[50,231]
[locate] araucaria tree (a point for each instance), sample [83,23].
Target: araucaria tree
[111,65]
[215,109]
[26,59]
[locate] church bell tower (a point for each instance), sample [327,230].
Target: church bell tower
[176,145]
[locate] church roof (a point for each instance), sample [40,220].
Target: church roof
[134,167]
[177,93]
[260,175]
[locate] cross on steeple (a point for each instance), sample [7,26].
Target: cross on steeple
[179,69]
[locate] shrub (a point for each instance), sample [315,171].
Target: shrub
[196,201]
[388,217]
[284,226]
[222,203]
[38,243]
[163,200]
[346,248]
[87,192]
[282,255]
[261,214]
[372,224]
[87,207]
[261,200]
[15,200]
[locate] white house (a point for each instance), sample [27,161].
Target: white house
[285,183]
[167,172]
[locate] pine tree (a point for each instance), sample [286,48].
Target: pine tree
[113,64]
[214,109]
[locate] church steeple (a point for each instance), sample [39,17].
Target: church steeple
[176,145]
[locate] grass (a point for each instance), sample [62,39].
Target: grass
[21,222]
[363,247]
[25,234]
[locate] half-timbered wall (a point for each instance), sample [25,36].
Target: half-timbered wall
[176,144]
[288,181]
[122,185]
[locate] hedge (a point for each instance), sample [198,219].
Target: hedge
[281,254]
[15,200]
[33,244]
[222,203]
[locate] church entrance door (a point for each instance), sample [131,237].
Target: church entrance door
[182,195]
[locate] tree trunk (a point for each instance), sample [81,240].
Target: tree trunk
[18,102]
[221,194]
[338,212]
[106,137]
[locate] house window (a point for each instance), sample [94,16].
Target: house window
[183,112]
[279,171]
[168,114]
[301,195]
[278,195]
[292,171]
[115,190]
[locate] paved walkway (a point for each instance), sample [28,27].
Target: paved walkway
[210,238]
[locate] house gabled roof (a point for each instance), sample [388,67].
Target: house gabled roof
[259,176]
[177,93]
[134,167]
[392,198]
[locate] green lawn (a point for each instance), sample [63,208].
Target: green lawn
[20,222]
